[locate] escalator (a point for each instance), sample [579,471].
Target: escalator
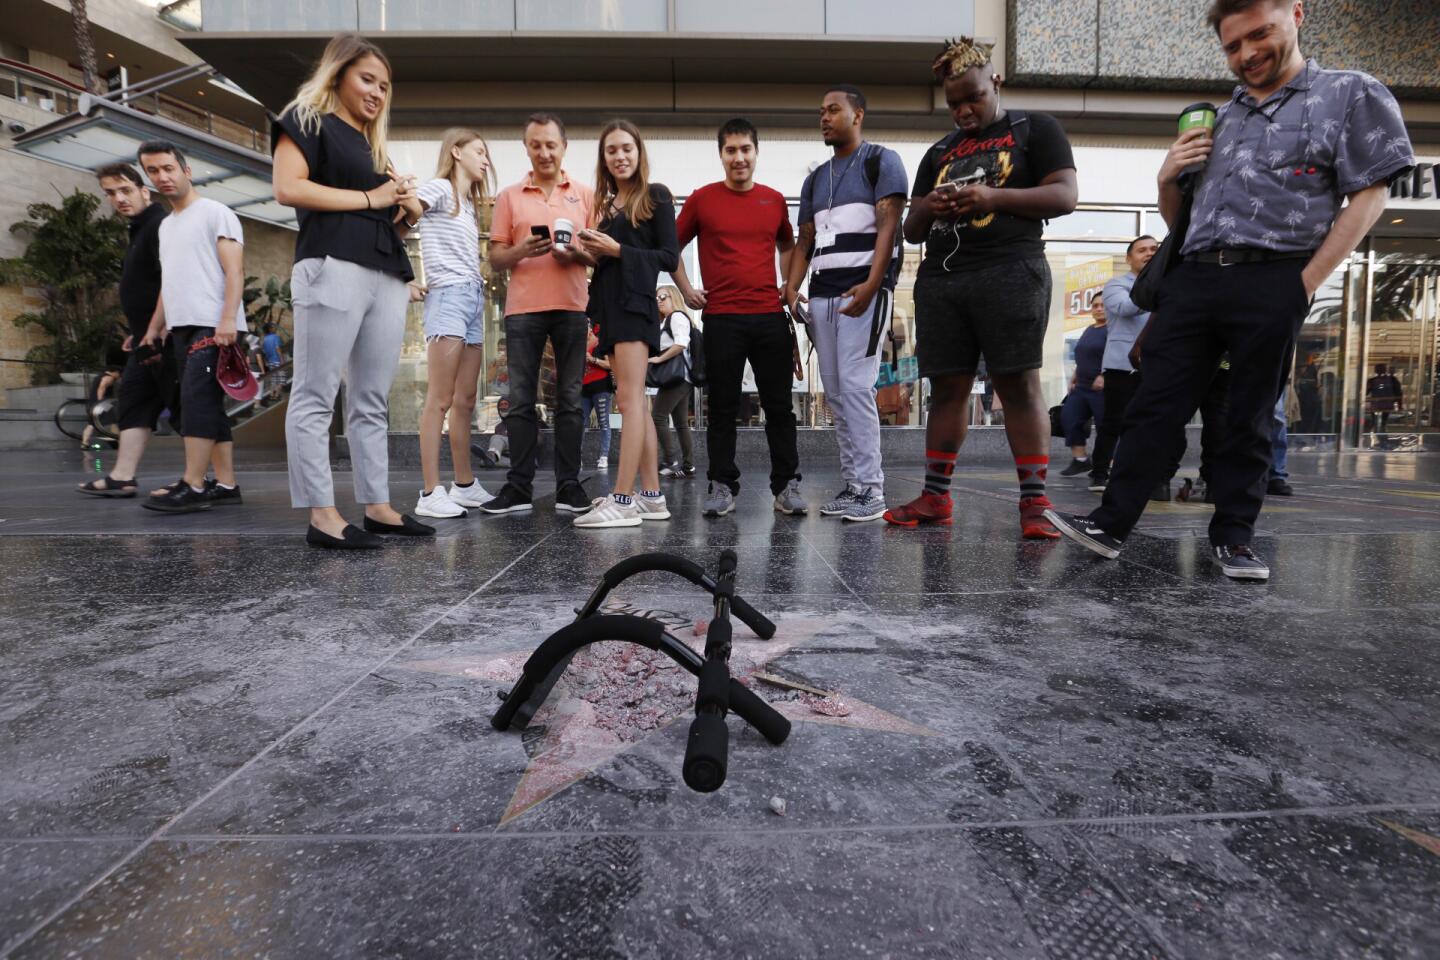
[257,423]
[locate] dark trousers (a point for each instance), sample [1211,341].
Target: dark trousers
[1120,387]
[1253,310]
[764,340]
[1080,407]
[672,403]
[147,386]
[525,336]
[1213,409]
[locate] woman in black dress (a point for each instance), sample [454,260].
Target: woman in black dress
[634,242]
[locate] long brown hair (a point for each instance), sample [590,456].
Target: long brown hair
[319,94]
[480,190]
[638,205]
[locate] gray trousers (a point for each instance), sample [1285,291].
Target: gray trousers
[849,379]
[348,319]
[673,403]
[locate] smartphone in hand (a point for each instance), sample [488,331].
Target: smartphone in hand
[540,230]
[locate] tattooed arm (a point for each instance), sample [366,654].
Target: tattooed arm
[887,221]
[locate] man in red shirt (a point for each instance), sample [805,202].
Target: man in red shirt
[741,225]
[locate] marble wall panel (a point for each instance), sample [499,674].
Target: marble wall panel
[1129,44]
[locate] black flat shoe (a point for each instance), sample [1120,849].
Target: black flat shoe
[407,527]
[351,538]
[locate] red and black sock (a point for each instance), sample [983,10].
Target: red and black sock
[1032,471]
[939,467]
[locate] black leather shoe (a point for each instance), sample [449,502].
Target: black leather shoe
[351,538]
[182,500]
[1279,488]
[407,527]
[221,497]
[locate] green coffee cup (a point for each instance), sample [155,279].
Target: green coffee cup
[1198,115]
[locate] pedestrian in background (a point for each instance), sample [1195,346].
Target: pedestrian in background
[671,404]
[1085,403]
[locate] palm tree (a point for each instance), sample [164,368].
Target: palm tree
[1294,218]
[85,46]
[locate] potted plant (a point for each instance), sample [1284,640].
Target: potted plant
[74,258]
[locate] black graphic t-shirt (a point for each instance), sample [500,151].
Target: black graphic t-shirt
[974,242]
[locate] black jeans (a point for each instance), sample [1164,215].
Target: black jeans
[1120,387]
[525,336]
[1253,310]
[764,340]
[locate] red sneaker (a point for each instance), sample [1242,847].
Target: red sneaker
[1033,525]
[926,508]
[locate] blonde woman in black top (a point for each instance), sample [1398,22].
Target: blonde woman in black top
[635,240]
[348,284]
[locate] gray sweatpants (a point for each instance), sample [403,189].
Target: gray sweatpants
[849,379]
[348,319]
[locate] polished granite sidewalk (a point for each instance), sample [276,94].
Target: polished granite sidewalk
[220,743]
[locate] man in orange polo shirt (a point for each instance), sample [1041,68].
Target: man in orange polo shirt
[546,298]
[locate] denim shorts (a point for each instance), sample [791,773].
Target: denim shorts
[456,310]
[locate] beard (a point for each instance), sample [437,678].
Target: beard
[1283,54]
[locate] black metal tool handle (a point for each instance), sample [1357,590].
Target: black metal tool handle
[707,750]
[708,747]
[747,705]
[760,624]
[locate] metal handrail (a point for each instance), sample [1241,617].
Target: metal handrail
[144,96]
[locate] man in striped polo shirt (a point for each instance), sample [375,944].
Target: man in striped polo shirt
[849,235]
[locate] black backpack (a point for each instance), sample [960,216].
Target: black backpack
[694,353]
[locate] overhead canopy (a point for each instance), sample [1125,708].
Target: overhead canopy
[271,65]
[104,131]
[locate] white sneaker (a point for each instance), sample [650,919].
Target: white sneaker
[438,505]
[652,508]
[602,464]
[474,495]
[608,513]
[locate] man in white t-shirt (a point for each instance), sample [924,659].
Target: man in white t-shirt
[202,280]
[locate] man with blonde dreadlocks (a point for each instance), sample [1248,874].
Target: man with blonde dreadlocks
[980,198]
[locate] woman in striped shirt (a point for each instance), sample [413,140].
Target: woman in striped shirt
[454,316]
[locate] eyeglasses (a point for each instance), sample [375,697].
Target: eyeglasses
[662,296]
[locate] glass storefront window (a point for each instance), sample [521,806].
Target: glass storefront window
[1102,225]
[1318,380]
[1401,370]
[1078,274]
[1079,267]
[1364,316]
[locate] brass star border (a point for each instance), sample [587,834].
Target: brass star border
[576,742]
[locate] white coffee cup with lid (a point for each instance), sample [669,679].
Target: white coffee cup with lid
[563,232]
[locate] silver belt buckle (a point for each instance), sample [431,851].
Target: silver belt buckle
[1222,261]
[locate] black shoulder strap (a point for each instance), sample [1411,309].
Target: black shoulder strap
[872,166]
[1020,126]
